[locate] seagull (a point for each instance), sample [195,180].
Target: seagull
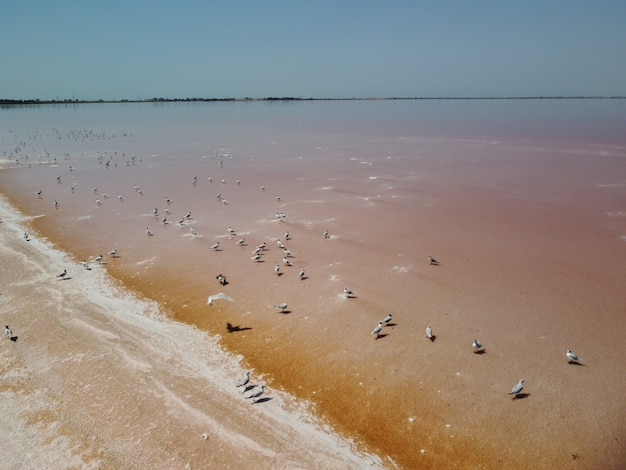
[215,246]
[477,345]
[280,244]
[518,388]
[282,307]
[256,257]
[98,259]
[220,296]
[387,319]
[348,293]
[286,261]
[63,274]
[85,265]
[241,241]
[377,330]
[326,235]
[56,205]
[301,274]
[433,261]
[231,230]
[572,357]
[148,232]
[204,435]
[429,332]
[257,394]
[287,235]
[245,381]
[8,332]
[277,269]
[286,252]
[112,253]
[193,231]
[222,279]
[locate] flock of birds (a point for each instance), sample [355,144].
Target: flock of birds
[257,255]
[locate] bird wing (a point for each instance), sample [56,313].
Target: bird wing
[220,296]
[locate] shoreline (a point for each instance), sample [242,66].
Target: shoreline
[81,382]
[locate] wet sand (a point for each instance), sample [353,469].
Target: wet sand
[98,378]
[518,228]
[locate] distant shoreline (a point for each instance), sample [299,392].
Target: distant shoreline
[8,102]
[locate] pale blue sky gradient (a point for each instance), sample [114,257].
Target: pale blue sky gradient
[66,49]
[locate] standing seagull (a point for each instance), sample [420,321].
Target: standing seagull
[277,270]
[377,330]
[429,333]
[348,293]
[387,319]
[245,381]
[573,357]
[477,345]
[255,395]
[301,274]
[517,389]
[433,261]
[8,332]
[215,246]
[62,274]
[282,307]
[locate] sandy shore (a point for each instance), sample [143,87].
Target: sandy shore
[99,379]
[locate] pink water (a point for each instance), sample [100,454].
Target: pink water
[523,204]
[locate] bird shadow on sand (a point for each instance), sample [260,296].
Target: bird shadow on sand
[233,328]
[285,312]
[520,396]
[574,363]
[432,338]
[248,388]
[262,400]
[480,351]
[13,338]
[382,335]
[66,278]
[391,324]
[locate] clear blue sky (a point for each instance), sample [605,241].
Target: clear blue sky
[128,49]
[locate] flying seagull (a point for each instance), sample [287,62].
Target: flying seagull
[220,296]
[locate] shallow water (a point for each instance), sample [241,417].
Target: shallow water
[510,196]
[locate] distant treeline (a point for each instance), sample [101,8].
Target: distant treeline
[291,98]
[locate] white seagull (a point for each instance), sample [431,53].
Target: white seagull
[282,307]
[112,253]
[62,274]
[215,246]
[277,269]
[220,296]
[377,330]
[348,293]
[477,345]
[241,241]
[256,257]
[429,332]
[518,388]
[255,395]
[8,332]
[301,274]
[286,261]
[432,260]
[245,380]
[572,357]
[387,319]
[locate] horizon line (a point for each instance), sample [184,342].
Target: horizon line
[290,98]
